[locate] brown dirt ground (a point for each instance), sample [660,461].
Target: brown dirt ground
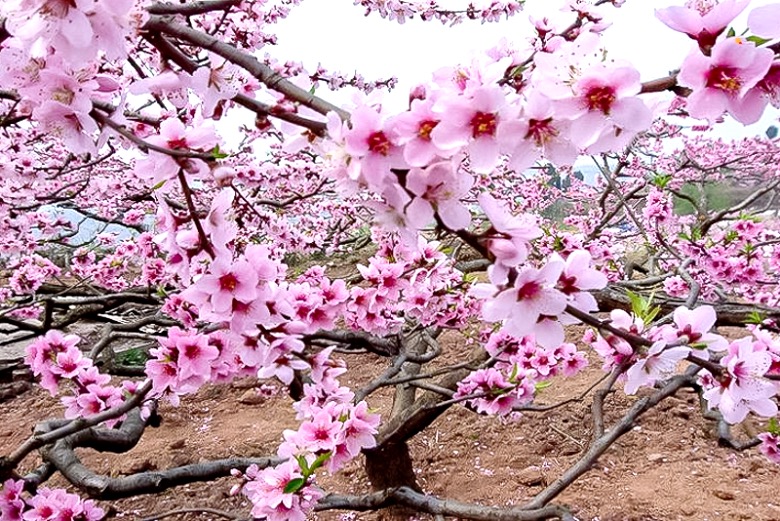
[669,467]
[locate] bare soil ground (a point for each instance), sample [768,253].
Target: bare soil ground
[668,468]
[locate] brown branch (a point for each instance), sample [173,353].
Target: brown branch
[605,441]
[198,510]
[192,8]
[41,439]
[259,70]
[420,502]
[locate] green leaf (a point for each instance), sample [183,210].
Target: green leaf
[731,33]
[661,180]
[731,236]
[514,373]
[642,307]
[322,458]
[773,427]
[542,385]
[470,277]
[158,185]
[516,71]
[217,154]
[294,485]
[757,40]
[755,318]
[303,464]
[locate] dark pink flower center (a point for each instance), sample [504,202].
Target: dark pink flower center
[58,8]
[378,143]
[541,131]
[191,351]
[724,78]
[568,284]
[426,127]
[178,143]
[239,307]
[529,290]
[228,282]
[483,124]
[693,336]
[600,98]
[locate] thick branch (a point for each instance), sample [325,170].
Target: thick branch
[443,507]
[259,70]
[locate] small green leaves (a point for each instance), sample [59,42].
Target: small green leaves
[294,485]
[773,427]
[470,278]
[661,180]
[542,385]
[757,40]
[642,307]
[216,153]
[321,459]
[755,318]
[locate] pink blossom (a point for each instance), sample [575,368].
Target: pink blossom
[578,277]
[702,28]
[661,361]
[439,188]
[538,132]
[605,105]
[510,234]
[11,502]
[530,296]
[693,327]
[413,130]
[369,141]
[174,135]
[472,122]
[499,400]
[725,80]
[215,292]
[770,446]
[762,21]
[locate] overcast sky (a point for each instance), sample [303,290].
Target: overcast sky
[338,35]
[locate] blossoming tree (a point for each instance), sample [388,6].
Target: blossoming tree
[123,113]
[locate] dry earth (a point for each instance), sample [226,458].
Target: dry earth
[669,467]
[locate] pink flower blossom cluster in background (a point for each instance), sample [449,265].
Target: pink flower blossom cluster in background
[57,360]
[401,10]
[521,365]
[45,505]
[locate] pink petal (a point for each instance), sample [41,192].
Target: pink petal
[765,21]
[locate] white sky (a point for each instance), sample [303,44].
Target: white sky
[338,35]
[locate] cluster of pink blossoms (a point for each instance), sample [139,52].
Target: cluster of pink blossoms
[333,432]
[46,505]
[401,10]
[520,365]
[404,282]
[740,387]
[57,360]
[533,301]
[731,74]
